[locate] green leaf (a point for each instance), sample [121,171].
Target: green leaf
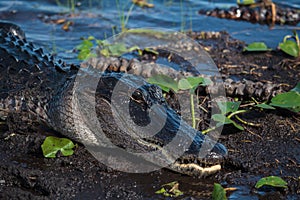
[184,84]
[195,81]
[170,189]
[228,106]
[117,49]
[192,83]
[151,51]
[52,145]
[218,193]
[105,52]
[85,49]
[165,82]
[290,47]
[238,126]
[222,120]
[171,184]
[176,193]
[83,54]
[85,44]
[274,181]
[133,48]
[91,38]
[289,100]
[161,191]
[257,46]
[264,106]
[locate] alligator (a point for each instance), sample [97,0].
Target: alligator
[40,89]
[263,13]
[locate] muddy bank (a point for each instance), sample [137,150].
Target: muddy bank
[273,148]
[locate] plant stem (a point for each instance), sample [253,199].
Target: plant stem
[245,122]
[235,113]
[73,6]
[192,111]
[297,41]
[182,17]
[128,15]
[208,130]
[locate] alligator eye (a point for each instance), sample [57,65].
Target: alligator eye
[138,96]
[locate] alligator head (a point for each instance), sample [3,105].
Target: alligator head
[132,115]
[101,110]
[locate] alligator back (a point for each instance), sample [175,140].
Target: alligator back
[29,78]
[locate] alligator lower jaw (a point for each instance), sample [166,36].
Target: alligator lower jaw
[193,169]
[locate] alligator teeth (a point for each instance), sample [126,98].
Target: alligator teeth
[193,169]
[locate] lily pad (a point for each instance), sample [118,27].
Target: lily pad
[218,193]
[257,46]
[52,145]
[273,181]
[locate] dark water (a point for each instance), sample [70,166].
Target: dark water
[101,19]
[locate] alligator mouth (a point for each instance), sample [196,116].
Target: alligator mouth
[198,167]
[191,164]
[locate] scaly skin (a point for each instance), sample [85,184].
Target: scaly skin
[34,85]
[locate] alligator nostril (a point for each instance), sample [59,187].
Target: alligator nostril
[220,149]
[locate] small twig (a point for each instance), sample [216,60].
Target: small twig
[252,133]
[204,109]
[200,105]
[297,139]
[253,99]
[291,125]
[248,104]
[295,118]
